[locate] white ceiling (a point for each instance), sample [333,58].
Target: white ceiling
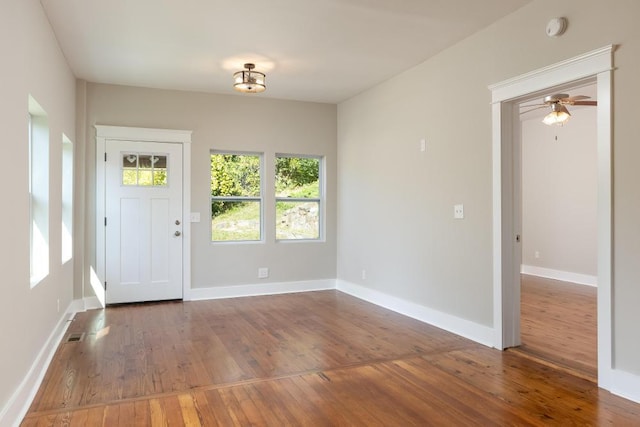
[311,50]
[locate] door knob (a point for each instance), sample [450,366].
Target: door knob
[177,233]
[177,222]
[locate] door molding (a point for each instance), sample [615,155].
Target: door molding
[596,66]
[104,134]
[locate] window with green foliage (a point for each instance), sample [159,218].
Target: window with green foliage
[236,197]
[298,197]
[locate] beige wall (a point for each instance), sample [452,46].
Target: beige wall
[410,244]
[227,122]
[31,64]
[559,193]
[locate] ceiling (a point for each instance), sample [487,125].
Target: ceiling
[311,50]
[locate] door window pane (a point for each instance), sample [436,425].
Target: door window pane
[145,170]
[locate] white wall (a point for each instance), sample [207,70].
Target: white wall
[559,194]
[227,122]
[410,245]
[32,64]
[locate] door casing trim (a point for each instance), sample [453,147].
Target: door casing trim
[104,134]
[596,65]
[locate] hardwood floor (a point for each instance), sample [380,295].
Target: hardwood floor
[559,324]
[318,358]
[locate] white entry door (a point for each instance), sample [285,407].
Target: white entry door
[143,232]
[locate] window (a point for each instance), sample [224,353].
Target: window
[38,192]
[67,199]
[298,197]
[144,170]
[236,197]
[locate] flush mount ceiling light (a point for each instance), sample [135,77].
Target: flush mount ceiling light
[249,81]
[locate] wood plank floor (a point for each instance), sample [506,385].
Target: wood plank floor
[311,359]
[559,324]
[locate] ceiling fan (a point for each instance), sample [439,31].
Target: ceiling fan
[557,102]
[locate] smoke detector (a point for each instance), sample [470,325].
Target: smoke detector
[556,27]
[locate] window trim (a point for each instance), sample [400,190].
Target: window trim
[39,153]
[320,199]
[259,199]
[67,200]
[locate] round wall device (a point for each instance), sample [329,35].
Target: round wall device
[556,27]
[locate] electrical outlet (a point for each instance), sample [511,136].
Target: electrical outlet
[536,254]
[263,273]
[58,304]
[364,274]
[458,211]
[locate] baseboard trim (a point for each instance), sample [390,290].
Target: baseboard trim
[624,384]
[18,405]
[565,276]
[91,303]
[84,304]
[196,294]
[465,328]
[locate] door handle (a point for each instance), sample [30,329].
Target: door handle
[177,233]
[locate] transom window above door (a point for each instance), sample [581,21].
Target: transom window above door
[145,169]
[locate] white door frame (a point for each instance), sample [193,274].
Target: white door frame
[596,65]
[120,133]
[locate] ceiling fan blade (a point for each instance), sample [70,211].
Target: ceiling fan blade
[532,105]
[533,109]
[572,99]
[591,103]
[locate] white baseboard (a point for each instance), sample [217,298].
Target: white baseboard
[565,276]
[259,289]
[76,306]
[465,328]
[91,303]
[624,384]
[18,405]
[80,305]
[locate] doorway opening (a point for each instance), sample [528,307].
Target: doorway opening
[595,66]
[558,297]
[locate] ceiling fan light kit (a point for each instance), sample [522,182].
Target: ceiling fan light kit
[557,102]
[558,115]
[248,80]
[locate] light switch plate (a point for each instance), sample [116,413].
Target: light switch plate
[195,217]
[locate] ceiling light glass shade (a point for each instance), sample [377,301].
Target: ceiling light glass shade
[558,115]
[249,81]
